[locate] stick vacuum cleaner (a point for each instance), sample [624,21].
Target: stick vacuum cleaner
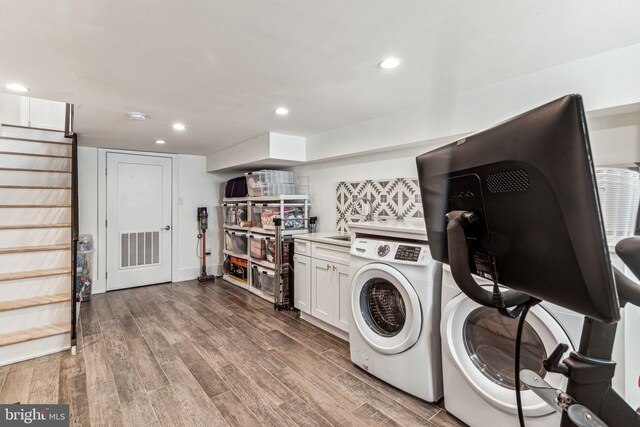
[203,224]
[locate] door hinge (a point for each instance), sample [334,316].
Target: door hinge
[105,223]
[106,275]
[105,171]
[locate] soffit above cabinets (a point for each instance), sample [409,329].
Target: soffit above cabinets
[269,150]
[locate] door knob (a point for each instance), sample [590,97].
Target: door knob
[168,227]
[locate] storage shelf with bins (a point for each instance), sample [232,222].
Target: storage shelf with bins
[240,217]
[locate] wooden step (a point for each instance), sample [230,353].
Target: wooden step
[33,187]
[16,153]
[42,141]
[33,206]
[33,226]
[15,337]
[5,125]
[44,248]
[17,304]
[35,273]
[34,170]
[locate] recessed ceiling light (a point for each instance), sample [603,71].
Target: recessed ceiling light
[17,87]
[137,116]
[160,141]
[389,63]
[282,111]
[179,126]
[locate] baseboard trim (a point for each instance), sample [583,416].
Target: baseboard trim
[193,273]
[339,333]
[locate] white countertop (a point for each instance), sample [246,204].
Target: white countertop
[325,237]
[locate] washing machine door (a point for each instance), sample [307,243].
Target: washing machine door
[386,308]
[481,342]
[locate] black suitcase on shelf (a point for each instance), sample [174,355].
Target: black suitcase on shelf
[236,187]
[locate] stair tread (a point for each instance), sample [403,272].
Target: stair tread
[33,226]
[21,153]
[23,335]
[7,125]
[43,141]
[33,187]
[34,170]
[42,248]
[34,206]
[18,304]
[34,273]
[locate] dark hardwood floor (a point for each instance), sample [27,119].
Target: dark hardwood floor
[206,355]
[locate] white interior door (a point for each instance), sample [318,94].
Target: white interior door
[138,220]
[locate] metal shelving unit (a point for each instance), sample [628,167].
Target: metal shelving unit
[283,279]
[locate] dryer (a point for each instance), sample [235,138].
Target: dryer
[394,333]
[477,358]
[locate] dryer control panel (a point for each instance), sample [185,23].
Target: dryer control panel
[390,251]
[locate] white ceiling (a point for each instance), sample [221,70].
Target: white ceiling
[221,67]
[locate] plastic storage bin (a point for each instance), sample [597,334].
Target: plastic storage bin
[268,281]
[236,214]
[258,246]
[256,277]
[235,241]
[236,268]
[256,216]
[270,183]
[271,252]
[272,189]
[293,217]
[84,266]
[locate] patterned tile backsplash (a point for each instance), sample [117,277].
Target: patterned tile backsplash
[397,198]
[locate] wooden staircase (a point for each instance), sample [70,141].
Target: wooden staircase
[36,251]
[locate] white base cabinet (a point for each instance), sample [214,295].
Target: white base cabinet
[322,290]
[322,285]
[342,297]
[302,283]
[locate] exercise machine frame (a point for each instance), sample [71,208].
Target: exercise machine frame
[590,369]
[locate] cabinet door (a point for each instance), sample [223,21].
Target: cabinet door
[302,283]
[322,285]
[342,298]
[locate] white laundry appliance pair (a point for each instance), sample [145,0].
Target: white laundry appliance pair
[402,335]
[477,358]
[395,298]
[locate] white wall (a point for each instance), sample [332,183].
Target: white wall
[619,143]
[616,139]
[193,186]
[197,188]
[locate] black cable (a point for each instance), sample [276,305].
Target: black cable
[521,322]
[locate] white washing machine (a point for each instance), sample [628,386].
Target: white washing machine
[477,358]
[395,295]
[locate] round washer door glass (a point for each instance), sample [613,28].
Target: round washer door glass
[480,347]
[383,307]
[489,340]
[386,309]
